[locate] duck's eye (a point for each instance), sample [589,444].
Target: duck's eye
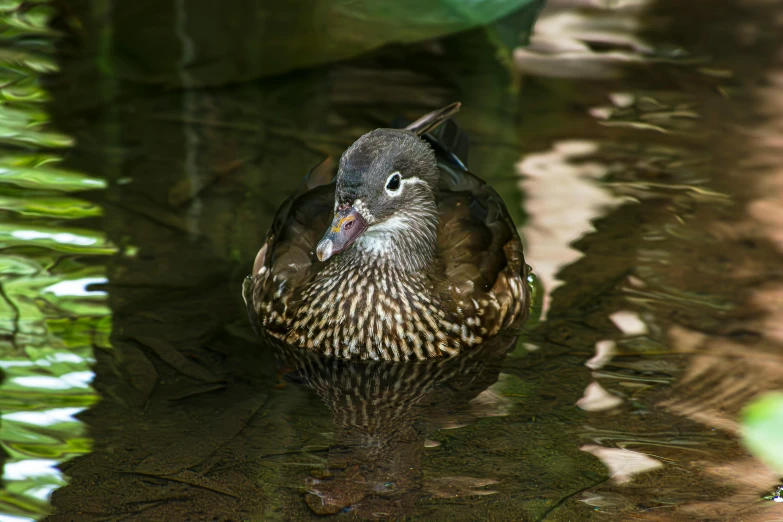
[393,183]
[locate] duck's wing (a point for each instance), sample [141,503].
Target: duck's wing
[287,259]
[479,245]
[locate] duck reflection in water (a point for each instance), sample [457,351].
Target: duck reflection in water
[384,413]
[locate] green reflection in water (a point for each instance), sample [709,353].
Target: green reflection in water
[51,315]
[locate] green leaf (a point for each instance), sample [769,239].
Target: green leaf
[226,42]
[762,429]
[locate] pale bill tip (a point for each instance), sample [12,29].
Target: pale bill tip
[324,250]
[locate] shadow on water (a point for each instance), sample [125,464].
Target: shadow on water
[636,154]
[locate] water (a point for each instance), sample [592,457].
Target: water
[640,157]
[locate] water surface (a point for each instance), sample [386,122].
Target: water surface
[637,147]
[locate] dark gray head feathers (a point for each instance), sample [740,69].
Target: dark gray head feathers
[367,164]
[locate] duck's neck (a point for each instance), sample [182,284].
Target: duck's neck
[407,242]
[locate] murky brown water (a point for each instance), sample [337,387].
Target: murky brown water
[638,148]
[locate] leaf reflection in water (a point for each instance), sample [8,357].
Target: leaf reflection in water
[51,318]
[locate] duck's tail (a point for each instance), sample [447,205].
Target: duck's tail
[445,136]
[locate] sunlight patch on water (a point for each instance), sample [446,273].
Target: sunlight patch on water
[77,287]
[43,493]
[69,357]
[45,417]
[623,464]
[604,351]
[563,198]
[597,42]
[31,469]
[64,382]
[629,322]
[596,398]
[11,364]
[59,237]
[11,518]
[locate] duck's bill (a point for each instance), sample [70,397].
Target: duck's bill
[346,226]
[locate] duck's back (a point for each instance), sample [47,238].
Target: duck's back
[478,242]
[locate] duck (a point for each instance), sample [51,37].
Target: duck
[395,253]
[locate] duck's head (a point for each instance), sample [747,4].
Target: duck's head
[385,199]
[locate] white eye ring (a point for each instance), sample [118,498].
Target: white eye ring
[396,191]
